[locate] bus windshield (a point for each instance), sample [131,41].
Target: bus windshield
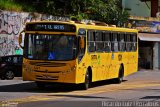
[50,47]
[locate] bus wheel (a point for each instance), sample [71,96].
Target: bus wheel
[120,76]
[40,84]
[86,83]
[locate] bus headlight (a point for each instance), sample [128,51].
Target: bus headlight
[72,69]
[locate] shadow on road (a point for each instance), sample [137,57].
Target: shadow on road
[104,82]
[151,97]
[52,88]
[80,96]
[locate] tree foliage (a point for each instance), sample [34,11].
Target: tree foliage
[109,11]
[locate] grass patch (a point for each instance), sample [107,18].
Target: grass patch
[10,5]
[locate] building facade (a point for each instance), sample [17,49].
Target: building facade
[146,18]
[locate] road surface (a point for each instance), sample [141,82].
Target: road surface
[139,89]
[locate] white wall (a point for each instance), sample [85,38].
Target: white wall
[137,7]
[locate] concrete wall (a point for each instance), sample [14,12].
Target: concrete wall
[11,24]
[137,8]
[156,56]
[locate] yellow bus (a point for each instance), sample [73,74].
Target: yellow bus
[79,53]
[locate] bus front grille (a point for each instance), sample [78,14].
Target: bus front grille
[48,64]
[47,71]
[47,77]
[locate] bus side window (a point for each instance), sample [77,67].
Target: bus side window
[98,41]
[107,43]
[128,42]
[114,42]
[91,41]
[121,39]
[133,42]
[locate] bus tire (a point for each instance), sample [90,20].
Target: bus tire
[87,82]
[120,75]
[40,84]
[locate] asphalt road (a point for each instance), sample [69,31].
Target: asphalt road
[139,89]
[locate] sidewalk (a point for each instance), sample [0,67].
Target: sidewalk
[147,70]
[17,78]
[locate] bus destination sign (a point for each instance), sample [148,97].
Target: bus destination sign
[50,27]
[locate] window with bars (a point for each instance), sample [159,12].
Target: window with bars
[107,41]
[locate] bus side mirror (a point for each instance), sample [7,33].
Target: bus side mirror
[81,42]
[20,39]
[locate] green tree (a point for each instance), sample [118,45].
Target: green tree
[109,11]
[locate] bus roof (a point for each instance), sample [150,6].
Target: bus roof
[96,25]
